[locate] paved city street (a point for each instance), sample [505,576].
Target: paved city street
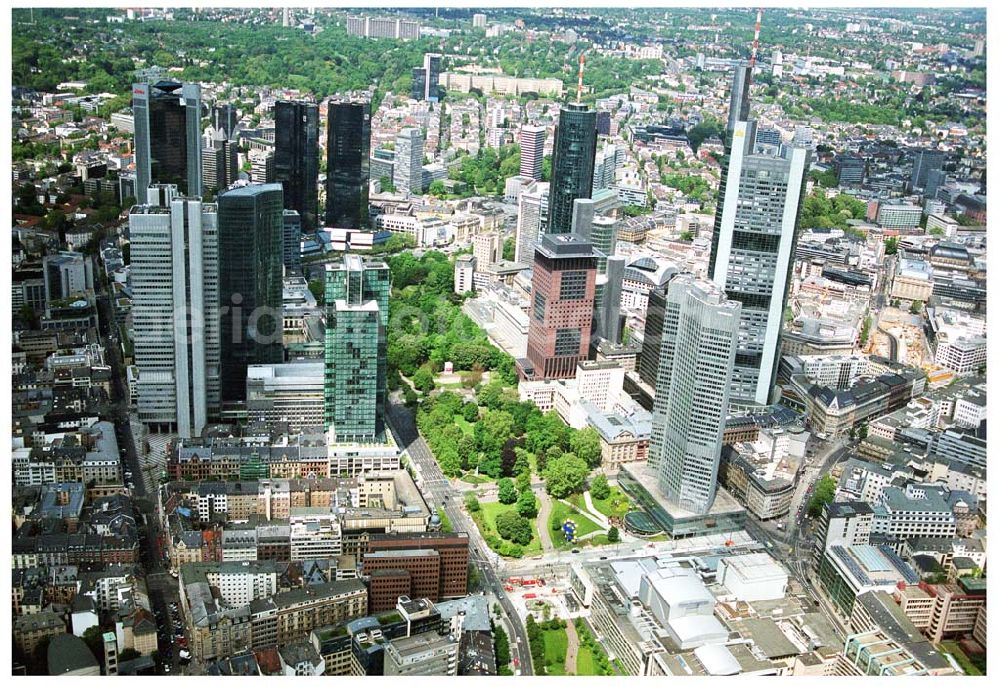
[439,493]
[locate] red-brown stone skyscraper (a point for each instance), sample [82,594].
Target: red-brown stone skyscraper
[562,307]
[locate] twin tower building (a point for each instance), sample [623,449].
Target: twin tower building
[207,277]
[719,338]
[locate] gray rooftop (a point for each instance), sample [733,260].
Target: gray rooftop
[69,653]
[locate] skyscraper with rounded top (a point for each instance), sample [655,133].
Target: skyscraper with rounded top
[573,153]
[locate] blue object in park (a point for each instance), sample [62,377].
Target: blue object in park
[569,530]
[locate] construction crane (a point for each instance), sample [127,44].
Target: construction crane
[579,82]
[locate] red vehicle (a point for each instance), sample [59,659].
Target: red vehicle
[529,596]
[515,580]
[531,582]
[508,588]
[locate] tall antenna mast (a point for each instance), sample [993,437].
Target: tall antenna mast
[756,40]
[579,83]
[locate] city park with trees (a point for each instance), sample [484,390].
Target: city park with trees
[478,429]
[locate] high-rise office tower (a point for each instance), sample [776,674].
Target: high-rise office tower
[532,213]
[757,219]
[296,157]
[175,311]
[608,300]
[925,162]
[532,142]
[583,217]
[603,236]
[850,170]
[347,153]
[419,85]
[251,238]
[652,335]
[292,243]
[408,172]
[562,308]
[698,348]
[261,166]
[739,110]
[573,154]
[739,100]
[768,136]
[432,75]
[357,313]
[167,118]
[66,274]
[598,230]
[486,248]
[603,123]
[606,163]
[219,161]
[224,117]
[935,179]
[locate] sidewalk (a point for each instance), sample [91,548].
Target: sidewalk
[542,521]
[572,647]
[593,510]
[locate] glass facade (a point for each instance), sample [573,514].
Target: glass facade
[168,141]
[357,302]
[348,147]
[692,389]
[296,157]
[251,242]
[573,153]
[677,527]
[752,251]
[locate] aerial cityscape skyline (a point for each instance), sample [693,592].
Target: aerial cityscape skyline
[516,341]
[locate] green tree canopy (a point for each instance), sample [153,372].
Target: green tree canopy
[565,474]
[599,487]
[527,504]
[506,492]
[514,527]
[586,443]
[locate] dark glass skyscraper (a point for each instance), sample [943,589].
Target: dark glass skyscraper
[573,153]
[251,237]
[168,141]
[224,117]
[347,151]
[419,85]
[296,157]
[432,74]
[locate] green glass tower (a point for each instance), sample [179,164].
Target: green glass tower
[357,313]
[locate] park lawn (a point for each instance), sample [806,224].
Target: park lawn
[475,479]
[560,513]
[960,657]
[604,506]
[585,665]
[556,642]
[464,425]
[489,516]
